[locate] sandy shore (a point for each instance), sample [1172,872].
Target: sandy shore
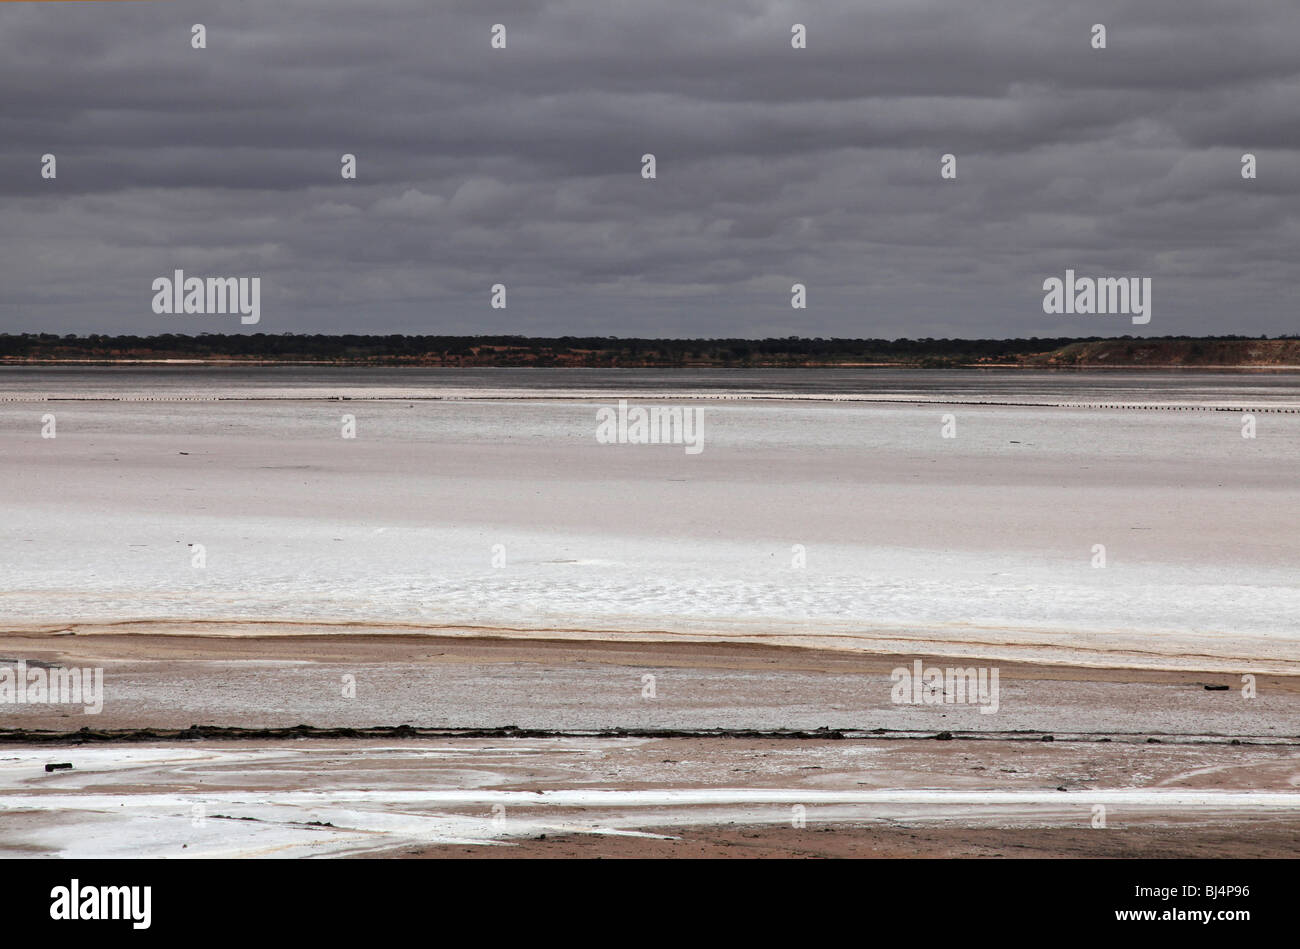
[1177,769]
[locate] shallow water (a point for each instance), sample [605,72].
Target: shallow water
[1265,387]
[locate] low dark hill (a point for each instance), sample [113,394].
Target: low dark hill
[611,352]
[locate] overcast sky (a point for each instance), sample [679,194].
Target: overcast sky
[522,166]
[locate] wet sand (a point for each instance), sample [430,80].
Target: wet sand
[1234,839]
[647,797]
[582,764]
[278,681]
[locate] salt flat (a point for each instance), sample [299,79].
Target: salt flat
[980,545]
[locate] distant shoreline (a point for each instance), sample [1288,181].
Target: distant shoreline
[1220,353]
[370,364]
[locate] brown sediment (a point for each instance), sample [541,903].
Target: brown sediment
[105,643]
[1255,838]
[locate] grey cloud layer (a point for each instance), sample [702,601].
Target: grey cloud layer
[776,165]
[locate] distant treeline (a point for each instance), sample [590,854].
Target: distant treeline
[600,351]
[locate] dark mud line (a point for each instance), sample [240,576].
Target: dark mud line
[297,732]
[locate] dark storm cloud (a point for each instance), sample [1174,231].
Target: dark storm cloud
[522,166]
